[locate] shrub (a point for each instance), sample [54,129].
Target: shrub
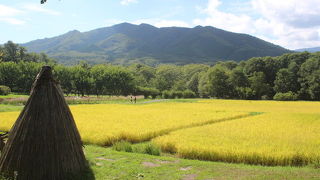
[316,164]
[171,94]
[188,94]
[265,97]
[146,92]
[152,149]
[5,90]
[288,96]
[122,146]
[166,94]
[177,94]
[245,93]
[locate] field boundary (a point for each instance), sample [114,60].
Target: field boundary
[150,136]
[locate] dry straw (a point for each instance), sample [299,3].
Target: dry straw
[44,143]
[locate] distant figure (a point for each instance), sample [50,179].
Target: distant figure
[131,99]
[135,99]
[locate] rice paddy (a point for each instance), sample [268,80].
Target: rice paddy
[251,132]
[266,139]
[104,124]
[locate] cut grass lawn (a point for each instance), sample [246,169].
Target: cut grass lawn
[109,164]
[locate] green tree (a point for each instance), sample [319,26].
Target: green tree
[119,81]
[28,73]
[99,76]
[285,81]
[166,76]
[238,78]
[193,83]
[143,74]
[82,78]
[314,83]
[203,87]
[259,86]
[65,78]
[308,73]
[9,75]
[218,81]
[11,52]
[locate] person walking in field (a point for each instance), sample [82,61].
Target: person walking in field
[131,99]
[135,99]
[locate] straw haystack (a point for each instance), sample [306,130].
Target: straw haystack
[44,143]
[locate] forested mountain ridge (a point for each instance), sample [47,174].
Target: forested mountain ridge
[127,43]
[292,76]
[314,49]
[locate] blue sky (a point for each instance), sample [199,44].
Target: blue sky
[289,23]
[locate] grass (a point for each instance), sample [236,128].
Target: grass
[143,148]
[9,108]
[13,96]
[108,164]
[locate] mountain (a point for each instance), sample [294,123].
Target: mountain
[127,43]
[314,49]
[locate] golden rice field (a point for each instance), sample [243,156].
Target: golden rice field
[266,139]
[254,132]
[265,106]
[103,124]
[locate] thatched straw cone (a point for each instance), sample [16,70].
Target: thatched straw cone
[44,143]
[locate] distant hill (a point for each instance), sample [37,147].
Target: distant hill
[127,43]
[314,49]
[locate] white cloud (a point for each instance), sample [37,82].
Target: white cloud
[6,11]
[291,23]
[231,22]
[162,22]
[39,8]
[13,21]
[294,23]
[295,13]
[13,16]
[127,2]
[7,15]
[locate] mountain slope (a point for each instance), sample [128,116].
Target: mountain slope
[125,43]
[312,50]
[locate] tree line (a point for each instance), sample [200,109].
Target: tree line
[294,76]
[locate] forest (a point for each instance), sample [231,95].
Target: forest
[292,76]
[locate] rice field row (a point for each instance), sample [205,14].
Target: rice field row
[103,124]
[267,139]
[289,107]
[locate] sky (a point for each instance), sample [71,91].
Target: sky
[292,24]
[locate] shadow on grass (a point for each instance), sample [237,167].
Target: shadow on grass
[86,174]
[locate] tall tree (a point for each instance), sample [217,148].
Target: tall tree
[219,85]
[259,86]
[11,52]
